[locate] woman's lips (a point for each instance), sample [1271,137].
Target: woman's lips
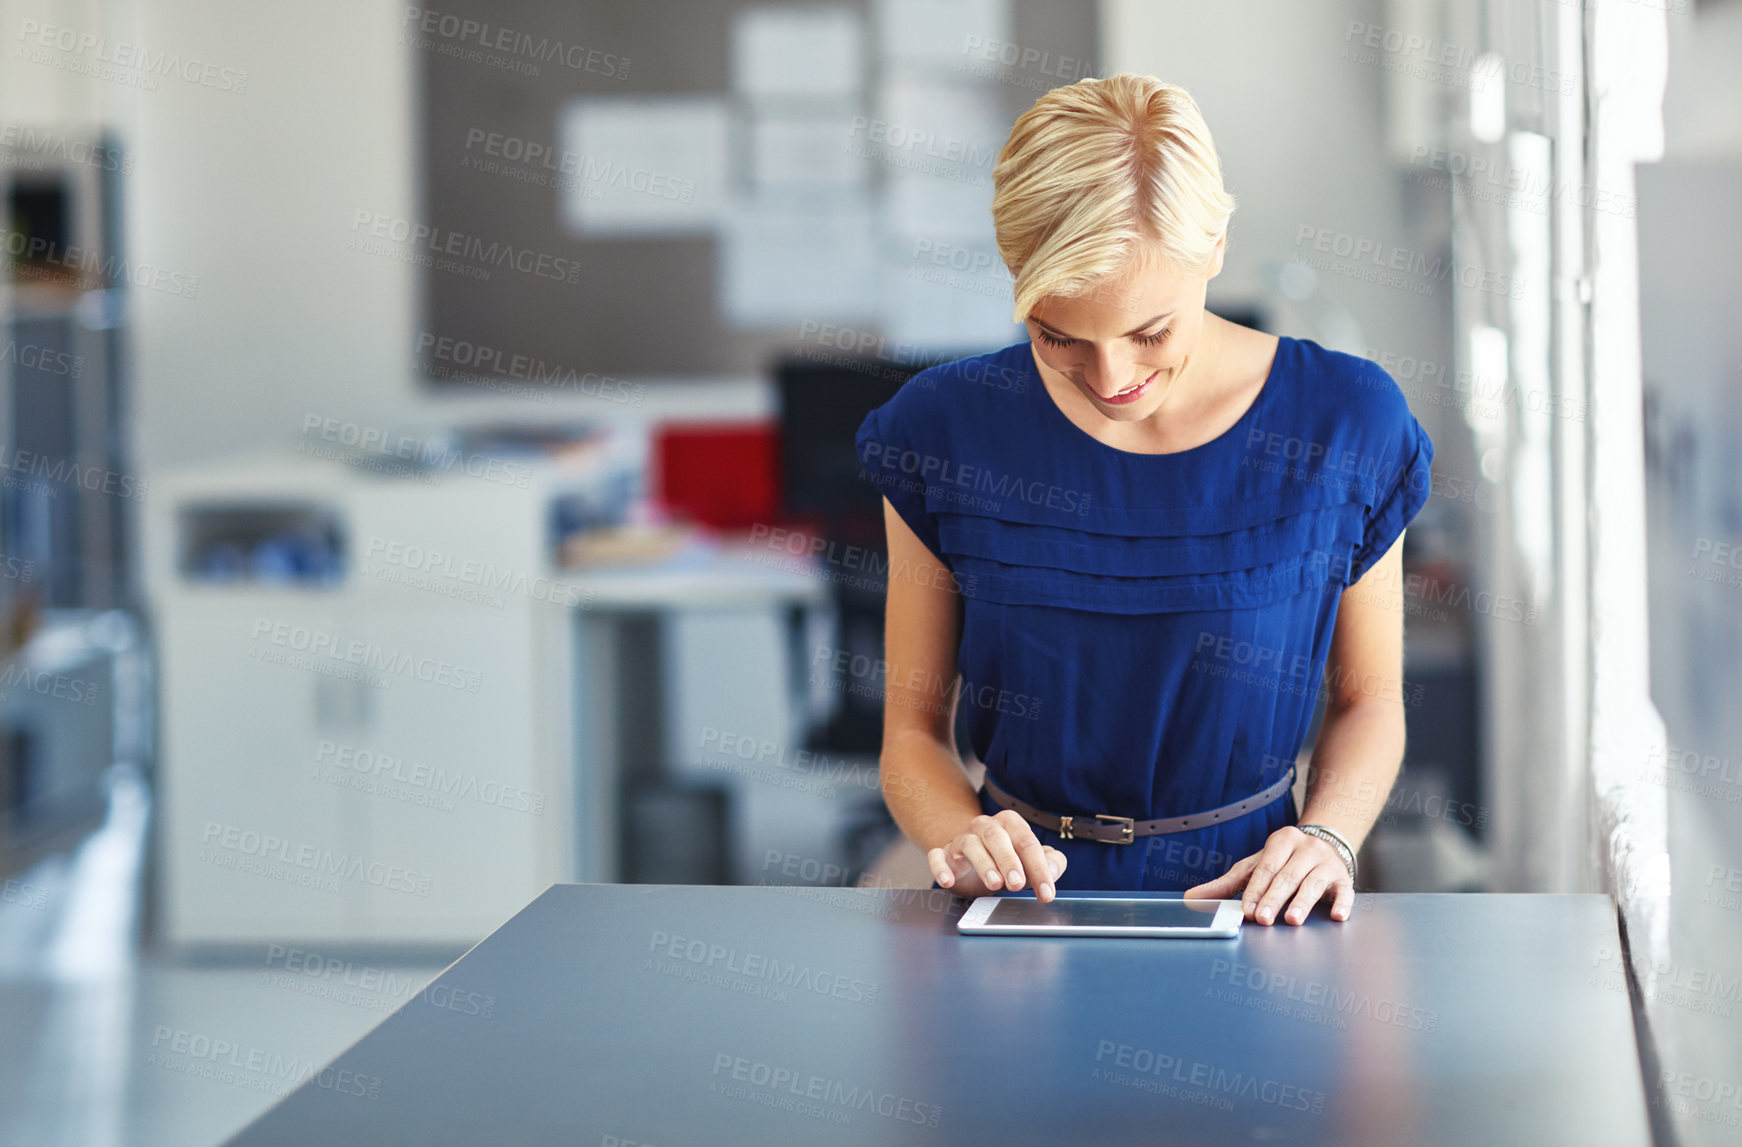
[1133,394]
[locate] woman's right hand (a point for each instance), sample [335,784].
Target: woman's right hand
[995,854]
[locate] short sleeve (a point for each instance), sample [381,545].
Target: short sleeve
[896,470]
[1405,481]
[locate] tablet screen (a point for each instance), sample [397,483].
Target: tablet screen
[1097,913]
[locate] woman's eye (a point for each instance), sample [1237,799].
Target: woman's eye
[1155,339]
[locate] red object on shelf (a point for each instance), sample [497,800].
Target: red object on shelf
[722,475]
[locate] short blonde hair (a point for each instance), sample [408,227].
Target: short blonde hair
[1096,169]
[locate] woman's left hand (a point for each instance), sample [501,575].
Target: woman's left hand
[1293,863]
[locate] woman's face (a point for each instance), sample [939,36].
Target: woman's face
[1123,344]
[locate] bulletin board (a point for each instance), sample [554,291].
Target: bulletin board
[690,188]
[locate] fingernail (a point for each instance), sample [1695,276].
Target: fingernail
[1015,878]
[1265,916]
[1055,869]
[1045,890]
[992,879]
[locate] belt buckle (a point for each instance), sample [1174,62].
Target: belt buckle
[1128,823]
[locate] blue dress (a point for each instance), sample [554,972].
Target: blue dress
[1145,635]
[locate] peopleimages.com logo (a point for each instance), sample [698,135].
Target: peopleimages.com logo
[317,644]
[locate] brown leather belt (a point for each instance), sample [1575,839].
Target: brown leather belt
[1122,829]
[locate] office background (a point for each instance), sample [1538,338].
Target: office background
[426,464]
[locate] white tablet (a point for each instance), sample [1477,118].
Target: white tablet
[1101,916]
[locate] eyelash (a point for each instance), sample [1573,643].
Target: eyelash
[1155,339]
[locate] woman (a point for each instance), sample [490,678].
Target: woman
[1145,540]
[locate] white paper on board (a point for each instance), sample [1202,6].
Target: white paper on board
[783,262]
[940,128]
[948,299]
[800,150]
[644,165]
[943,210]
[809,52]
[941,35]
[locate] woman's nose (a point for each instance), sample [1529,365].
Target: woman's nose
[1102,368]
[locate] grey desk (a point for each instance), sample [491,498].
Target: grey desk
[672,1015]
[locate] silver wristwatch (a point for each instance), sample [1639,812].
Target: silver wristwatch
[1336,840]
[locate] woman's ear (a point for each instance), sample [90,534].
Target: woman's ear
[1216,256]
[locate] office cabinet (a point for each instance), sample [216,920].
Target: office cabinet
[459,799]
[239,732]
[380,748]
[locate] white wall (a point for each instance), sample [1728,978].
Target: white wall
[1690,283]
[31,94]
[1302,137]
[1705,84]
[1702,129]
[254,194]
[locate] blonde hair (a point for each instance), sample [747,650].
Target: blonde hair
[1095,170]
